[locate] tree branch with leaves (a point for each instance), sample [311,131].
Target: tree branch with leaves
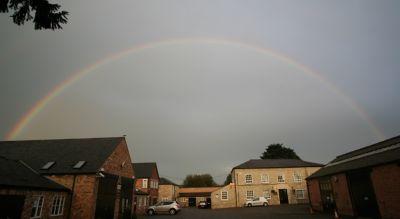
[44,14]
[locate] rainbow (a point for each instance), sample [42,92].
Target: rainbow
[41,104]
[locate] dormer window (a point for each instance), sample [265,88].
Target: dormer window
[48,165]
[79,164]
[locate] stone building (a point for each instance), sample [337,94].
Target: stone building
[362,183]
[96,171]
[280,181]
[167,190]
[26,194]
[147,180]
[190,197]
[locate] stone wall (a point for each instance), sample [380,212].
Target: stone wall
[167,192]
[272,186]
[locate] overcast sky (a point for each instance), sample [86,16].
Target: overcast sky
[200,106]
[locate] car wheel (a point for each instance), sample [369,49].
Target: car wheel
[150,212]
[249,205]
[265,204]
[172,211]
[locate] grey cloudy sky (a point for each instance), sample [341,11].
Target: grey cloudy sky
[204,107]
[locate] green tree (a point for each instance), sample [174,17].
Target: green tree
[278,151]
[199,180]
[228,179]
[44,14]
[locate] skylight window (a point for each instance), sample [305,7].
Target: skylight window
[79,164]
[48,165]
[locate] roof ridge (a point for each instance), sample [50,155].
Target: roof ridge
[60,139]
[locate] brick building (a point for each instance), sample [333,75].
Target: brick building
[147,180]
[363,182]
[190,197]
[96,171]
[280,181]
[167,190]
[141,202]
[26,194]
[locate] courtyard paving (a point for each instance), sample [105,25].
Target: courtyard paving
[278,212]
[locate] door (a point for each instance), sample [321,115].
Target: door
[362,194]
[106,194]
[125,209]
[326,191]
[11,206]
[192,202]
[283,196]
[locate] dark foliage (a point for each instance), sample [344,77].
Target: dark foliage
[44,14]
[278,151]
[228,179]
[202,180]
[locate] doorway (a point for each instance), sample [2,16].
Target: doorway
[192,202]
[362,194]
[283,196]
[11,206]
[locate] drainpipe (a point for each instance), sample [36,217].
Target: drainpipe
[236,194]
[72,197]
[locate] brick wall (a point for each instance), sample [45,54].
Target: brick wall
[386,182]
[30,196]
[315,195]
[341,194]
[119,162]
[84,194]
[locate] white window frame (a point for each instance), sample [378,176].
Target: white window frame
[38,206]
[247,195]
[248,179]
[268,196]
[297,179]
[57,206]
[145,183]
[303,193]
[283,178]
[264,178]
[226,196]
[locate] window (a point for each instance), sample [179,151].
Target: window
[144,183]
[37,207]
[248,179]
[48,165]
[296,177]
[281,178]
[79,164]
[266,194]
[249,195]
[300,193]
[224,195]
[58,205]
[264,178]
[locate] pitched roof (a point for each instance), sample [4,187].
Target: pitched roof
[165,181]
[144,170]
[380,153]
[197,191]
[14,173]
[275,163]
[64,152]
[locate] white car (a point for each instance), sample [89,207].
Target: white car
[261,201]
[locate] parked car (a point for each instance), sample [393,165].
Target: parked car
[169,207]
[204,204]
[261,201]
